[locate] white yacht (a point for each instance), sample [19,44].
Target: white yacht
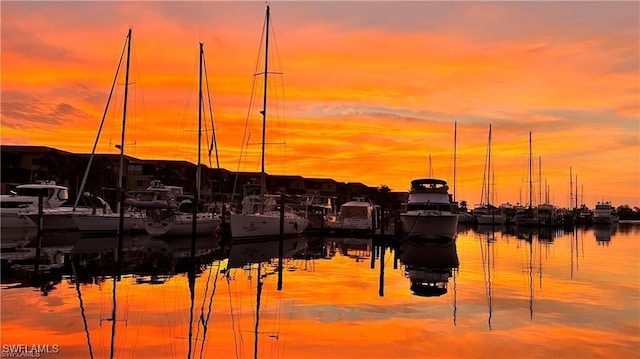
[603,213]
[24,198]
[358,216]
[428,213]
[60,218]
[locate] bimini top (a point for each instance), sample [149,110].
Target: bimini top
[429,184]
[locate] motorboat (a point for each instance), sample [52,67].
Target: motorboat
[358,216]
[428,213]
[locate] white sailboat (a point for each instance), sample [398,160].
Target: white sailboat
[123,220]
[261,216]
[173,221]
[487,213]
[528,216]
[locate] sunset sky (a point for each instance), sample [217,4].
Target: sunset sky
[368,92]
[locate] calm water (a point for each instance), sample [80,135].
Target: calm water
[507,294]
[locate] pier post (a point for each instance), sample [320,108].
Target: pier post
[281,242]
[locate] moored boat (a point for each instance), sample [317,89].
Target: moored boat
[602,214]
[359,216]
[24,198]
[428,213]
[261,216]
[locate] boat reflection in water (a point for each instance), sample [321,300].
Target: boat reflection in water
[603,232]
[429,265]
[149,260]
[264,257]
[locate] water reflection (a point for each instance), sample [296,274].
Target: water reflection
[603,232]
[428,265]
[526,286]
[266,257]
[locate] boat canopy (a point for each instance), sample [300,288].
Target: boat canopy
[429,184]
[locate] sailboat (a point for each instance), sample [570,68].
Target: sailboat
[487,213]
[123,220]
[459,208]
[528,216]
[174,221]
[261,216]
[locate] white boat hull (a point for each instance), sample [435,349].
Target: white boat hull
[56,221]
[491,219]
[181,225]
[351,225]
[107,223]
[429,226]
[14,221]
[264,225]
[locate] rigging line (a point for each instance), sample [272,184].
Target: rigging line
[206,320]
[137,336]
[113,318]
[204,299]
[214,142]
[246,136]
[233,320]
[484,271]
[142,101]
[249,111]
[192,290]
[84,317]
[186,104]
[104,114]
[169,325]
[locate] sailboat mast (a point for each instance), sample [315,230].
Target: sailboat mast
[581,195]
[264,105]
[571,188]
[455,145]
[539,179]
[120,198]
[197,183]
[530,173]
[489,168]
[124,120]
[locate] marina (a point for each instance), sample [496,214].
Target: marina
[331,217]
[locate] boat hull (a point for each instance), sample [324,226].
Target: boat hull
[606,219]
[108,223]
[56,221]
[491,219]
[15,221]
[431,227]
[181,225]
[247,226]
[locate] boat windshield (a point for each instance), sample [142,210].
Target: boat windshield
[428,207]
[354,212]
